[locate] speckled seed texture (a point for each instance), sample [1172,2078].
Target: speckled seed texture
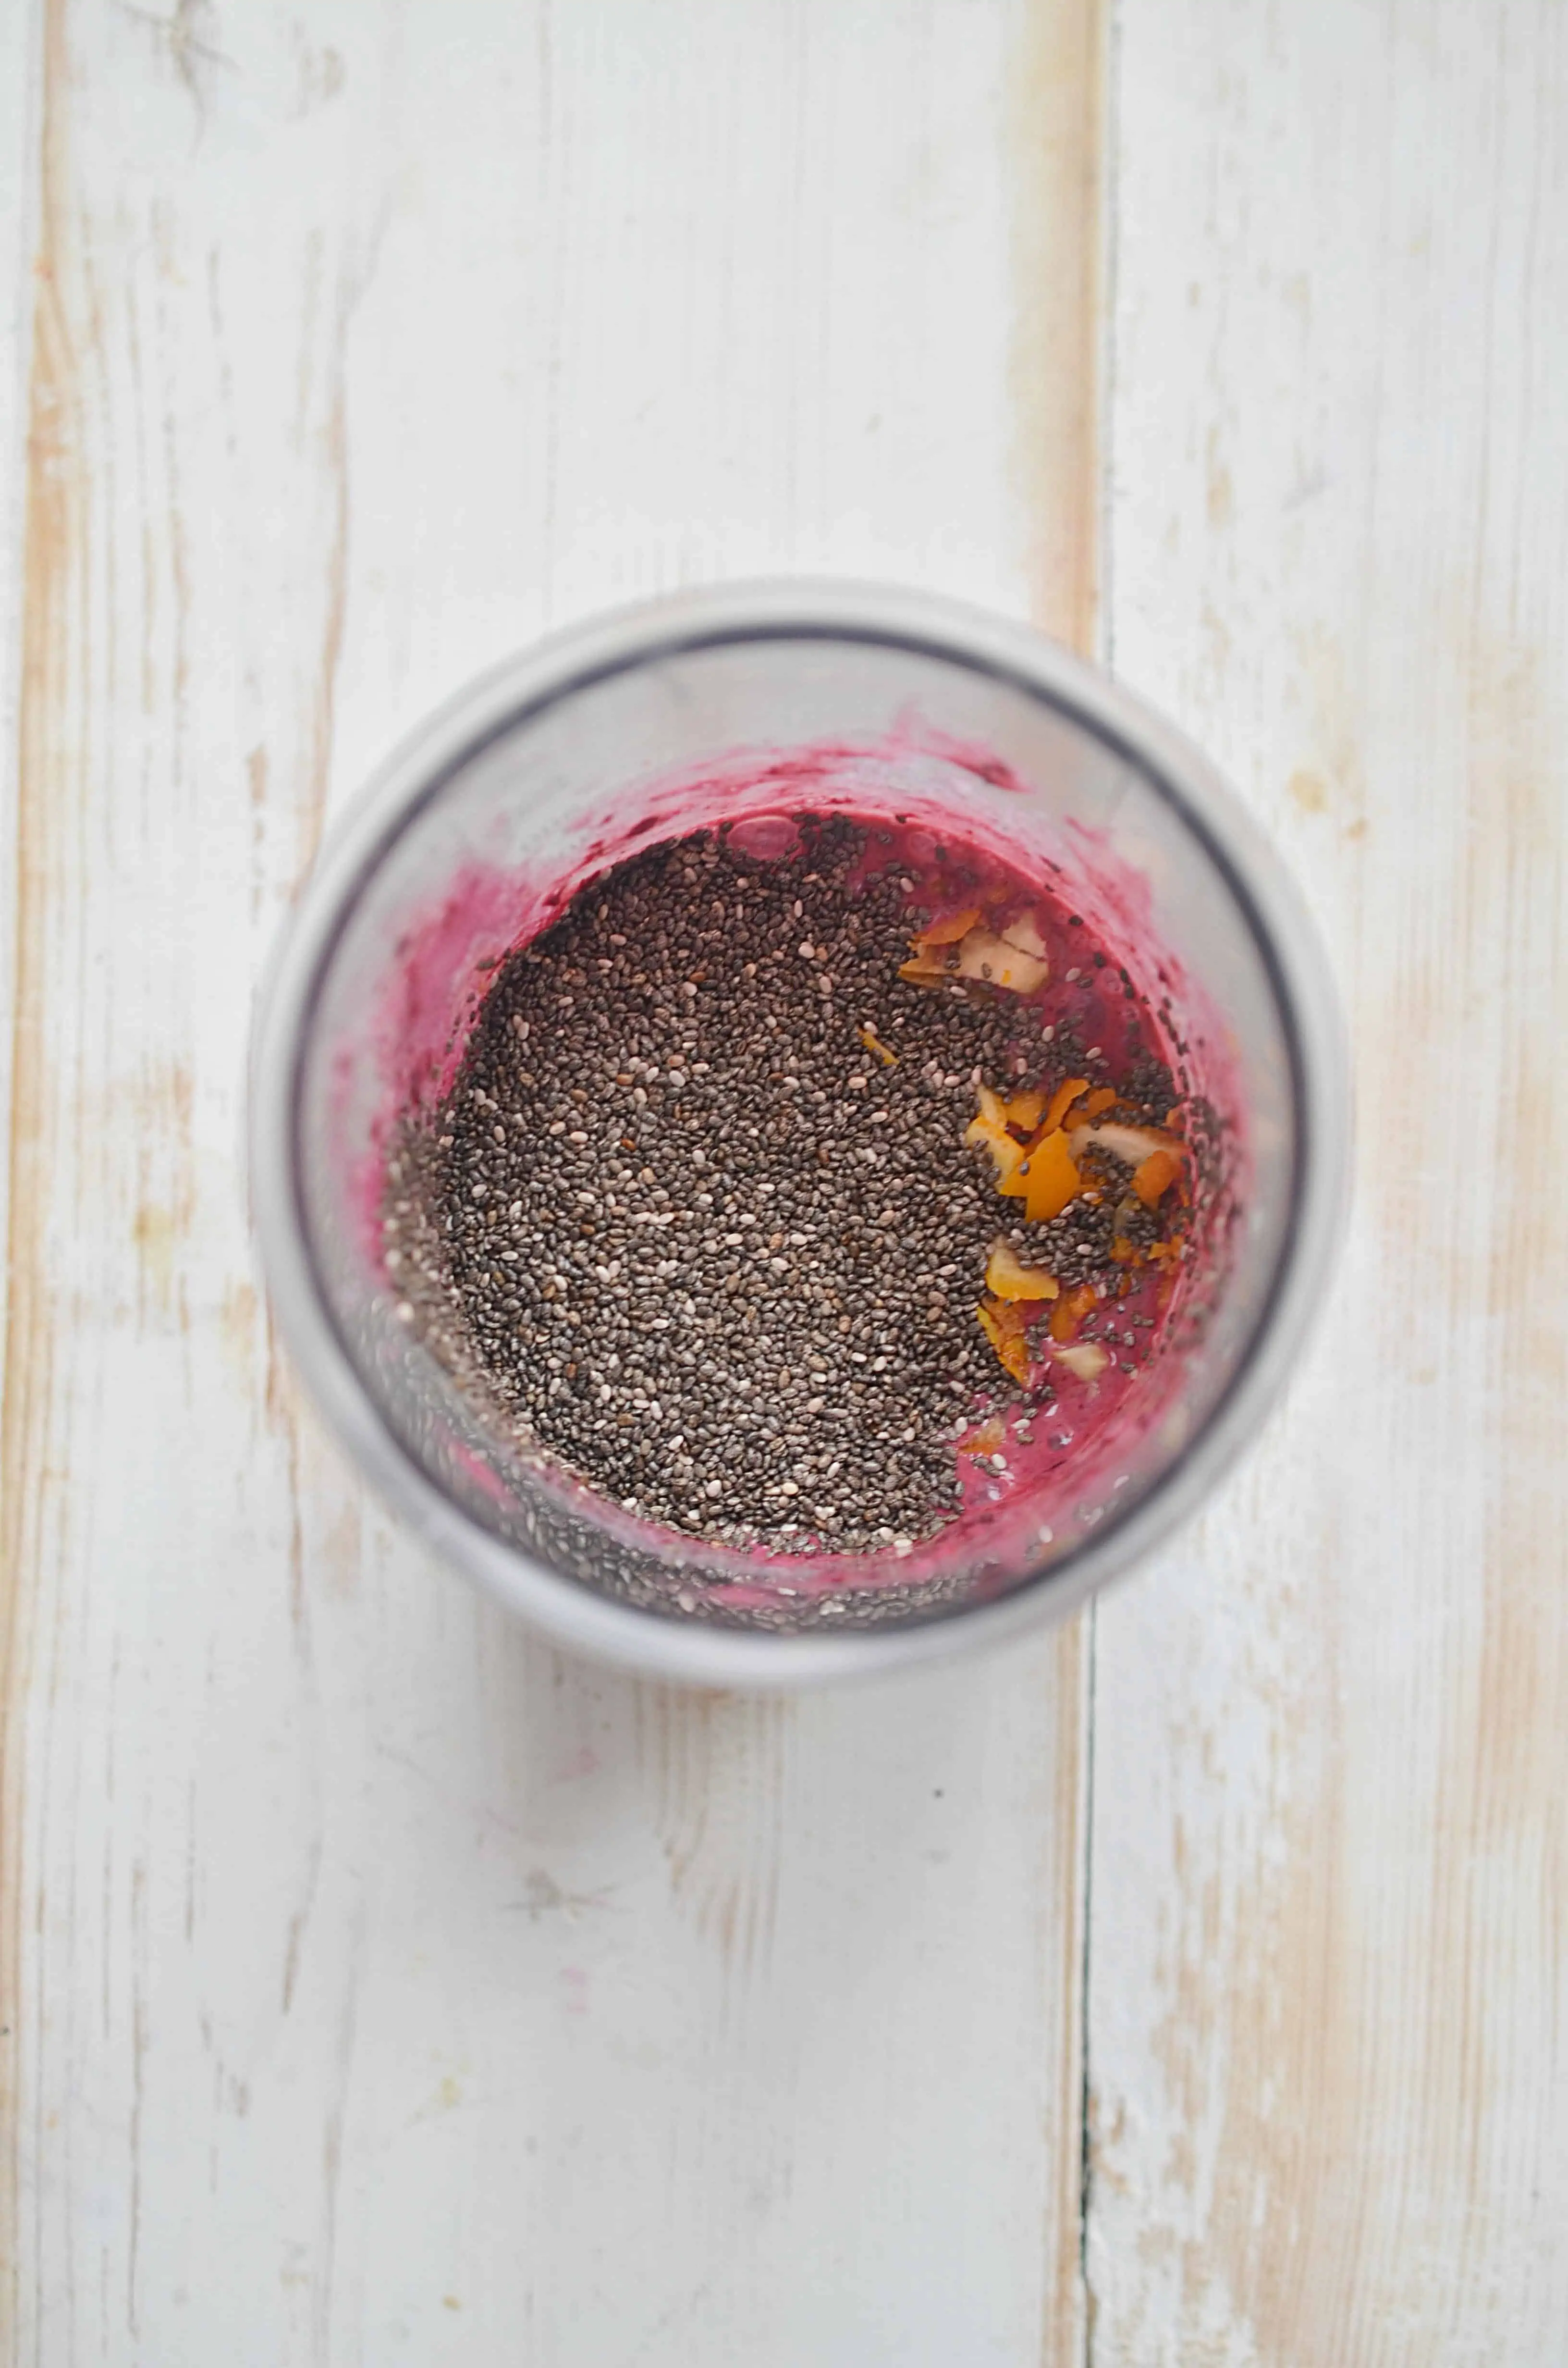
[699,1207]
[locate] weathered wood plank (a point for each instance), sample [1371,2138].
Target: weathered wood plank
[20,79]
[1329,1962]
[381,1986]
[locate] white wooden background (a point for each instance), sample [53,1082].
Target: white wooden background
[376,1986]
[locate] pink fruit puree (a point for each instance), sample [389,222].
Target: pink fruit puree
[916,796]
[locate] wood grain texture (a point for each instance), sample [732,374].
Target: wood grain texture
[18,188]
[377,1985]
[1060,234]
[1329,1961]
[19,179]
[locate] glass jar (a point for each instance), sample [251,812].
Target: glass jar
[743,704]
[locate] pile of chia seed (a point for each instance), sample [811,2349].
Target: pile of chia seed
[699,1239]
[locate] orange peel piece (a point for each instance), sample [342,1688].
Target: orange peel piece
[873,1044]
[1154,1175]
[1007,1276]
[961,946]
[1003,1326]
[1069,1312]
[1007,1152]
[1053,1178]
[1102,1099]
[1026,1109]
[1063,1100]
[947,932]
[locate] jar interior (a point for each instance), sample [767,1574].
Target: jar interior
[750,729]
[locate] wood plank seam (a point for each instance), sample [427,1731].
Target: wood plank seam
[1063,232]
[47,528]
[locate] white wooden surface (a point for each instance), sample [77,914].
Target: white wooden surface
[1328,1998]
[378,1986]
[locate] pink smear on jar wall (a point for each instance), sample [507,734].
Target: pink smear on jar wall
[914,792]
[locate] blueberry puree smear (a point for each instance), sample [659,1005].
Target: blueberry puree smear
[781,1184]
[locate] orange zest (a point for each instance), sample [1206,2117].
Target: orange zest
[1154,1175]
[1069,1312]
[1004,1327]
[1026,1109]
[1007,1278]
[1006,1151]
[1063,1100]
[1053,1178]
[948,932]
[1042,1168]
[963,947]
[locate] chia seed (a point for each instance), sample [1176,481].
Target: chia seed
[700,1241]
